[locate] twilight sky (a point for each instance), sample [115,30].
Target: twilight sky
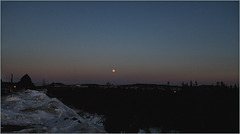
[146,42]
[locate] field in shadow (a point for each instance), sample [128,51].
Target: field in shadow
[191,109]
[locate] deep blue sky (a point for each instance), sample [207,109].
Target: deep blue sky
[146,42]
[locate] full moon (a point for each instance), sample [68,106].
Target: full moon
[113,70]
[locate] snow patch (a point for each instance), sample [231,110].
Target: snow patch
[39,113]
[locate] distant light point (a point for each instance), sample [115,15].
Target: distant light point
[113,70]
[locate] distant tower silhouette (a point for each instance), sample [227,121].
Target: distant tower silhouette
[11,78]
[43,82]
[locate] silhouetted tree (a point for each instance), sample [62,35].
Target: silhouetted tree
[196,83]
[222,84]
[108,84]
[218,83]
[191,83]
[182,84]
[26,82]
[168,83]
[235,86]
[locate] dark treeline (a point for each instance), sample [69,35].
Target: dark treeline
[128,108]
[190,109]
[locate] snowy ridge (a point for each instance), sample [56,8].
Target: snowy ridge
[39,113]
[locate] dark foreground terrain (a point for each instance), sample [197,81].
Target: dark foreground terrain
[188,109]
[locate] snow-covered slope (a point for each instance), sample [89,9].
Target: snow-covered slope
[39,113]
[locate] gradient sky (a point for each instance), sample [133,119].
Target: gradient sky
[146,42]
